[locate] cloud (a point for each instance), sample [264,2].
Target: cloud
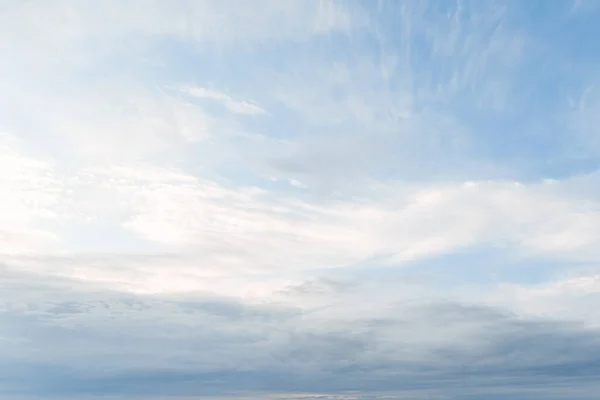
[29,191]
[208,343]
[225,25]
[235,106]
[299,199]
[410,222]
[246,230]
[570,298]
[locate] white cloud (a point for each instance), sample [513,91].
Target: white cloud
[120,123]
[137,213]
[75,32]
[569,298]
[413,223]
[244,230]
[28,193]
[298,184]
[233,105]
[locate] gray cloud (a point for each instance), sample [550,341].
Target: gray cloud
[61,339]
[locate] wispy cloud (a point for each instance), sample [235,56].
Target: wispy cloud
[299,199]
[235,106]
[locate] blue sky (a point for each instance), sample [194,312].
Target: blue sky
[302,199]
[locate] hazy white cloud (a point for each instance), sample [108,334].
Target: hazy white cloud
[298,199]
[75,33]
[28,193]
[235,106]
[248,230]
[570,298]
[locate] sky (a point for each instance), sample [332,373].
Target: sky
[299,199]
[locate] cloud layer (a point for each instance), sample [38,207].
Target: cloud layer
[299,199]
